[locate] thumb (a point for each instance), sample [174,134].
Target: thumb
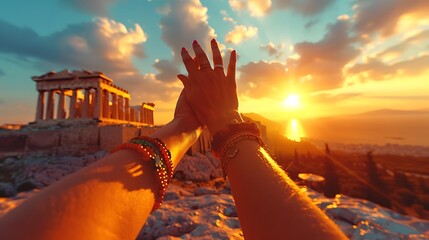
[184,79]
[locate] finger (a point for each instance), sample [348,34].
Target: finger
[217,57]
[197,64]
[188,61]
[200,54]
[184,79]
[230,73]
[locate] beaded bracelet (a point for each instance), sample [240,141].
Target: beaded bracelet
[150,150]
[163,151]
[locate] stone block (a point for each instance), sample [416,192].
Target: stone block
[87,136]
[12,143]
[47,141]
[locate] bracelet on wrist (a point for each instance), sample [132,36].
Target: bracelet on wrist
[225,142]
[155,151]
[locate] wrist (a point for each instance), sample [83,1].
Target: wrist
[223,120]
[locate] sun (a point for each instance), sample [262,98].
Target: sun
[292,101]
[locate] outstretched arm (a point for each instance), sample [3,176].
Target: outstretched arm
[269,204]
[110,199]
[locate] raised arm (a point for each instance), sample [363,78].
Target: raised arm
[110,199]
[269,204]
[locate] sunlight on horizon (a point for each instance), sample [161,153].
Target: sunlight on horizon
[294,130]
[292,101]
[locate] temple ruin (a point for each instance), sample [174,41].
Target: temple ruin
[85,97]
[81,112]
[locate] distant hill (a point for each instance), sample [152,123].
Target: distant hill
[279,144]
[393,112]
[373,127]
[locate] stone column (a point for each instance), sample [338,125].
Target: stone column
[98,106]
[151,117]
[85,108]
[127,109]
[40,106]
[106,102]
[120,108]
[50,109]
[114,106]
[92,103]
[73,102]
[142,117]
[132,115]
[137,115]
[61,111]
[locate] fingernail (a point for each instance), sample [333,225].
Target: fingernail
[183,49]
[195,42]
[213,41]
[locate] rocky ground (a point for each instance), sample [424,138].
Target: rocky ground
[199,204]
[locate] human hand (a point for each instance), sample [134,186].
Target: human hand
[184,113]
[211,94]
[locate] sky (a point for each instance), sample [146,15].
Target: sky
[299,58]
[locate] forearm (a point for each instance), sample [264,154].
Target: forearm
[110,199]
[269,204]
[179,135]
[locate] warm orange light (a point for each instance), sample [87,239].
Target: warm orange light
[292,101]
[294,130]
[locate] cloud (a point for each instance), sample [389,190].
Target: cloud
[256,8]
[413,45]
[311,23]
[272,49]
[305,7]
[102,45]
[384,15]
[227,18]
[262,79]
[332,98]
[167,70]
[97,7]
[241,33]
[260,8]
[375,70]
[187,22]
[320,64]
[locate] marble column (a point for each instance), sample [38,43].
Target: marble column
[120,107]
[40,106]
[85,107]
[142,115]
[92,102]
[114,106]
[73,102]
[61,111]
[50,108]
[106,104]
[151,117]
[137,115]
[127,109]
[98,106]
[132,115]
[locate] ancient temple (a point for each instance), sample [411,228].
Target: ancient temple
[82,112]
[86,97]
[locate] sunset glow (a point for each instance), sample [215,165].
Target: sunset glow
[294,130]
[351,60]
[292,101]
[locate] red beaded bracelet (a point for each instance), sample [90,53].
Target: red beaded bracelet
[165,153]
[162,162]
